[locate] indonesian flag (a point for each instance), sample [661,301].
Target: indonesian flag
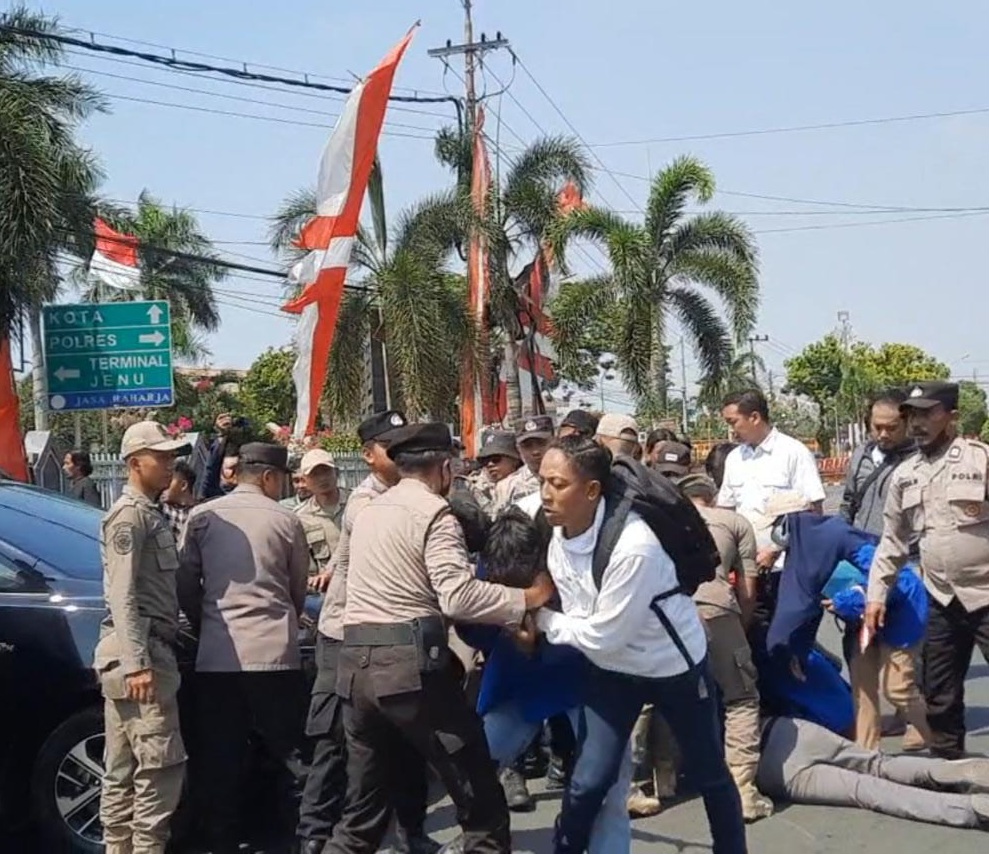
[329,237]
[115,262]
[13,462]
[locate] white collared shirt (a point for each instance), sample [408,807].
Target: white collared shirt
[616,627]
[779,463]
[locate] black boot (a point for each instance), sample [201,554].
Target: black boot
[414,842]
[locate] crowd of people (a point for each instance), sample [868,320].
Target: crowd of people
[529,612]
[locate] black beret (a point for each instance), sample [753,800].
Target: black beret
[582,421]
[419,438]
[927,395]
[264,454]
[534,427]
[498,443]
[379,423]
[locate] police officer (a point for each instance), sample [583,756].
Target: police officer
[499,458]
[321,513]
[409,569]
[532,438]
[939,495]
[322,798]
[242,583]
[145,757]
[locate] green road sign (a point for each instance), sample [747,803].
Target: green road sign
[108,355]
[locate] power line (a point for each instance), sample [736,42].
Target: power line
[797,128]
[834,225]
[238,73]
[228,97]
[304,74]
[573,129]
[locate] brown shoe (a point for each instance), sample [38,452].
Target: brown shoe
[913,741]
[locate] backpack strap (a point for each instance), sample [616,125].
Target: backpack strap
[656,607]
[616,512]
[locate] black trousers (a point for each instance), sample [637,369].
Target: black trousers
[388,704]
[952,635]
[326,783]
[236,711]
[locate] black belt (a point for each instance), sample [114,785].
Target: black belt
[380,634]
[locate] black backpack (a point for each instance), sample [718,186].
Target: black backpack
[670,515]
[675,521]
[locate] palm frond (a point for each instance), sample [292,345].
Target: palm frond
[585,322]
[714,231]
[733,280]
[345,376]
[454,150]
[376,202]
[685,179]
[294,212]
[635,347]
[705,329]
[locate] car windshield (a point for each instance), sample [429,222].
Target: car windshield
[61,532]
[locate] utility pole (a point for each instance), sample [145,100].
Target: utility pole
[683,384]
[753,340]
[472,51]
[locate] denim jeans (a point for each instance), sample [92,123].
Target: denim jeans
[689,703]
[509,734]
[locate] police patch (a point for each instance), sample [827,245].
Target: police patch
[123,540]
[917,392]
[955,454]
[397,420]
[973,510]
[530,426]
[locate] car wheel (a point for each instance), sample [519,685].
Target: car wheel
[65,785]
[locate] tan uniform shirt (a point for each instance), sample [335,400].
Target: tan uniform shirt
[942,501]
[408,559]
[735,539]
[243,576]
[139,582]
[517,485]
[331,614]
[322,526]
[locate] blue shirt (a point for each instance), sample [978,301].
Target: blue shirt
[542,685]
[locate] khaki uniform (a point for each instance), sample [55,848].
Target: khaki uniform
[322,530]
[242,582]
[941,501]
[145,756]
[408,570]
[245,568]
[516,486]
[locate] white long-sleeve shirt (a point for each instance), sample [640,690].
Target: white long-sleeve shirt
[615,627]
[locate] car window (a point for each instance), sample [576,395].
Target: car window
[58,531]
[11,581]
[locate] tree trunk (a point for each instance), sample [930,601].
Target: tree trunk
[513,383]
[38,379]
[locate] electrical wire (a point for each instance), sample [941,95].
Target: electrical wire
[797,128]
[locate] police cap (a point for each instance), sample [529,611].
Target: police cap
[419,438]
[534,427]
[927,395]
[498,443]
[264,454]
[584,422]
[371,429]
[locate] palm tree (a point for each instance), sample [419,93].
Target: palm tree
[521,208]
[404,295]
[661,269]
[47,180]
[742,373]
[176,265]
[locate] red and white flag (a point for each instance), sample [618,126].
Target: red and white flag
[329,237]
[13,462]
[115,261]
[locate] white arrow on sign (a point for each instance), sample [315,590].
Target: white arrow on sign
[154,313]
[154,338]
[64,374]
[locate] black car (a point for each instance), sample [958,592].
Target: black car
[51,711]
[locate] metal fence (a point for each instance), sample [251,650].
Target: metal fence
[110,472]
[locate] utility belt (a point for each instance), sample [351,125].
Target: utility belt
[427,635]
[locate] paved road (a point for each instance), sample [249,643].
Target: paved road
[682,829]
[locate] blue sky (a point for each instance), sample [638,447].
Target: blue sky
[622,71]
